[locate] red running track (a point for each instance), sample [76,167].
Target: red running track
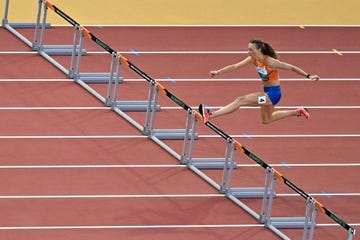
[94,137]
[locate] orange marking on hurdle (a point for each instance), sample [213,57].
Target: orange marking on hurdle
[123,60]
[50,5]
[87,32]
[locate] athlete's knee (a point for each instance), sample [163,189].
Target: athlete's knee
[240,99]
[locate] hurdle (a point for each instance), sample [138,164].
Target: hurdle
[167,134]
[243,192]
[188,148]
[58,50]
[5,20]
[11,26]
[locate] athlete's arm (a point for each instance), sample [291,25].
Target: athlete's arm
[275,63]
[232,67]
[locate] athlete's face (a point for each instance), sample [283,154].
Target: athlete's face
[253,51]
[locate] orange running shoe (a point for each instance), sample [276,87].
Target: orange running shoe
[303,112]
[205,113]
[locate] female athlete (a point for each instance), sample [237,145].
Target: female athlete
[264,57]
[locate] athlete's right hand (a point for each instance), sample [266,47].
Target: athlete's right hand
[214,73]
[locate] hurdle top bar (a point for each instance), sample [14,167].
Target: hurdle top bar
[61,13]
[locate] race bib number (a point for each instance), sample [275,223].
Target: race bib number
[262,73]
[261,99]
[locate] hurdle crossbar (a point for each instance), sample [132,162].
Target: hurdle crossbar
[98,41]
[61,13]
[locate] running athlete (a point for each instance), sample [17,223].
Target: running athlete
[264,57]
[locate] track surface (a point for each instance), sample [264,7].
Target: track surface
[78,169]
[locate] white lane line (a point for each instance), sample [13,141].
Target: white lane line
[225,52]
[214,25]
[130,227]
[55,108]
[171,165]
[285,135]
[74,137]
[307,165]
[115,196]
[93,166]
[201,136]
[278,107]
[160,196]
[167,108]
[197,52]
[154,226]
[184,80]
[19,80]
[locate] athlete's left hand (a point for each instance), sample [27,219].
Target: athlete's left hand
[314,77]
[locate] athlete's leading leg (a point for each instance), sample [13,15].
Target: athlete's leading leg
[249,100]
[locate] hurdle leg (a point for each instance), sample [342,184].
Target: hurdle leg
[307,217]
[262,218]
[117,81]
[150,114]
[267,217]
[108,101]
[78,61]
[309,220]
[226,181]
[35,45]
[77,35]
[351,234]
[40,47]
[6,13]
[188,146]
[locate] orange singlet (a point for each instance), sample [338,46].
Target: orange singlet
[265,73]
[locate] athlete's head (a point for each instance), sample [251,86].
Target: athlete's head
[255,46]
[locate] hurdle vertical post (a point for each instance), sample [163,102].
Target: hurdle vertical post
[268,188]
[351,233]
[76,75]
[77,35]
[6,13]
[108,101]
[151,109]
[228,169]
[188,145]
[35,44]
[40,46]
[117,81]
[309,220]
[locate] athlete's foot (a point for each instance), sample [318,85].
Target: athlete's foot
[205,113]
[303,112]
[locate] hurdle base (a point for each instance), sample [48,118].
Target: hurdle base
[250,192]
[133,106]
[98,77]
[26,24]
[172,134]
[210,163]
[62,50]
[289,222]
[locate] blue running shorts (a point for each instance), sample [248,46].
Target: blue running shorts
[274,93]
